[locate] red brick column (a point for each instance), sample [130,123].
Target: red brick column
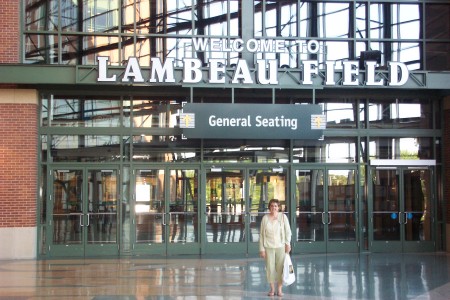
[18,173]
[10,31]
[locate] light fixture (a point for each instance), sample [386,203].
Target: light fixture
[277,169]
[370,55]
[216,169]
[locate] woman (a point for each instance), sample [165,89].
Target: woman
[274,243]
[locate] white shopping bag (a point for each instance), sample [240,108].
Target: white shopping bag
[288,271]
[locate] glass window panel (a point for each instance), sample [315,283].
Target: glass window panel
[386,205]
[67,202]
[100,16]
[64,112]
[158,148]
[81,112]
[417,197]
[141,49]
[406,21]
[437,18]
[183,226]
[361,18]
[376,21]
[94,46]
[128,48]
[126,119]
[235,18]
[126,218]
[310,205]
[155,113]
[305,19]
[70,16]
[399,113]
[215,13]
[289,20]
[85,148]
[70,49]
[41,15]
[225,206]
[44,148]
[41,48]
[400,148]
[337,51]
[270,20]
[275,18]
[179,15]
[258,18]
[341,113]
[42,202]
[244,152]
[331,150]
[129,14]
[102,206]
[149,206]
[180,48]
[408,53]
[330,14]
[341,205]
[44,110]
[438,56]
[102,113]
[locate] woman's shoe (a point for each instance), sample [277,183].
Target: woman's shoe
[280,294]
[271,294]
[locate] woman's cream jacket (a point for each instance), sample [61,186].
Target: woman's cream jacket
[269,239]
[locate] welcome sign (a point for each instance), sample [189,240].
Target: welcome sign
[265,72]
[252,121]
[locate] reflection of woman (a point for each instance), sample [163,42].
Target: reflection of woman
[274,243]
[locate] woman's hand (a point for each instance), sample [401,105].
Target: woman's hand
[287,248]
[262,254]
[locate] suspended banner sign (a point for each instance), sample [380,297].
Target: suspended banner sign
[252,121]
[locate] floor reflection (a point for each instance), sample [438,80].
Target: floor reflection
[333,276]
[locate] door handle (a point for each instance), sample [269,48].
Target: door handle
[329,218]
[323,220]
[88,223]
[81,220]
[164,219]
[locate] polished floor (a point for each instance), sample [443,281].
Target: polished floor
[319,276]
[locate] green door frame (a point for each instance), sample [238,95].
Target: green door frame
[327,216]
[250,246]
[402,215]
[166,216]
[84,248]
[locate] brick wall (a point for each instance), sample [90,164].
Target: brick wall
[18,164]
[10,29]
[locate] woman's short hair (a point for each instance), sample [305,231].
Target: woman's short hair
[274,201]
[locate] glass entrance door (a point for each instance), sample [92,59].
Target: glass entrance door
[236,200]
[401,212]
[165,211]
[326,210]
[83,206]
